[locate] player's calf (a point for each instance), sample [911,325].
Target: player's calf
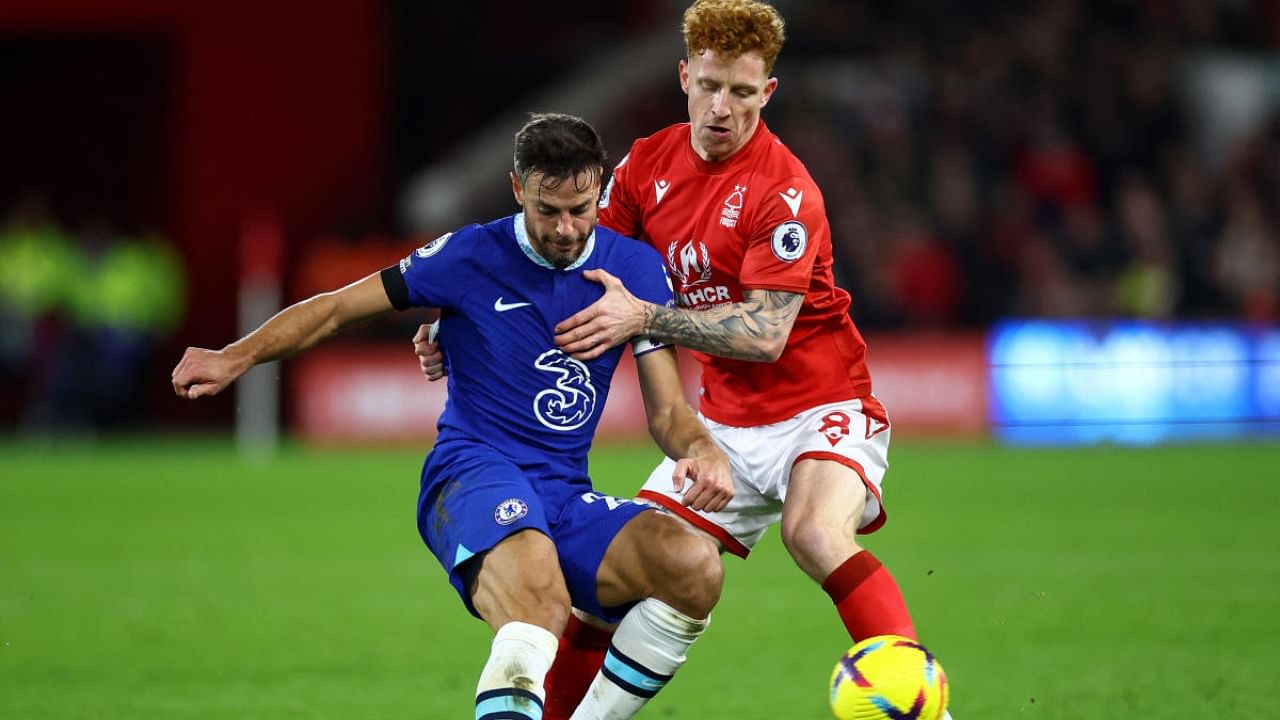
[649,646]
[519,590]
[679,576]
[580,656]
[824,506]
[510,685]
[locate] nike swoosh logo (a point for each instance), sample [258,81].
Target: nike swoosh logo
[503,307]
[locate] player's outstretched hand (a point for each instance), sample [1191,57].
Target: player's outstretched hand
[712,480]
[612,320]
[430,358]
[203,372]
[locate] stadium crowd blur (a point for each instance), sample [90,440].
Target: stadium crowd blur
[983,160]
[82,312]
[980,160]
[987,160]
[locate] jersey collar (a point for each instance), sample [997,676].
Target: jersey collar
[522,238]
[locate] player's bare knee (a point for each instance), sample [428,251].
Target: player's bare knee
[521,580]
[554,608]
[545,595]
[691,575]
[539,598]
[806,539]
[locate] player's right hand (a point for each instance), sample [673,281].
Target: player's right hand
[430,359]
[711,477]
[203,372]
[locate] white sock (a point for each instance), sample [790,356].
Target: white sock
[511,683]
[648,647]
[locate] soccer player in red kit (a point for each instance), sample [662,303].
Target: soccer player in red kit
[785,387]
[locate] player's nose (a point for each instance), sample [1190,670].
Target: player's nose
[719,104]
[564,225]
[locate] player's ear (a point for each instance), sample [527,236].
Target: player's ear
[517,189]
[770,85]
[684,76]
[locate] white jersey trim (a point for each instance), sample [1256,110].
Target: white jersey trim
[522,237]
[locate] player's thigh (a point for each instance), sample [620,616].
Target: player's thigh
[584,530]
[823,494]
[658,555]
[824,506]
[473,500]
[834,471]
[519,579]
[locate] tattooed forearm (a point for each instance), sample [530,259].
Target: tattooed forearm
[755,329]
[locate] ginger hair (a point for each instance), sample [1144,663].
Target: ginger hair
[734,27]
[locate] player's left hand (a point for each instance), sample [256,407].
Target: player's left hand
[712,479]
[615,318]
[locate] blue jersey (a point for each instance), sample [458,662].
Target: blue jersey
[510,386]
[511,454]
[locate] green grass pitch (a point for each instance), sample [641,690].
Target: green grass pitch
[170,579]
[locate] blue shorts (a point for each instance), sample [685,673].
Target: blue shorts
[473,497]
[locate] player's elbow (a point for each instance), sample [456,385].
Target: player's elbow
[332,314]
[768,349]
[775,349]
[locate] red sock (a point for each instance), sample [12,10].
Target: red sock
[868,599]
[581,653]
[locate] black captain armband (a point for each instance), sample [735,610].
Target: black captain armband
[396,288]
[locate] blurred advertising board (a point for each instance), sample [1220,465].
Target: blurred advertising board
[366,392]
[374,392]
[931,384]
[1132,382]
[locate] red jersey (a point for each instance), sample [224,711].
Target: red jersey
[753,222]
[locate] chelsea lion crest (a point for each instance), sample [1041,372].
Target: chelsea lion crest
[509,511]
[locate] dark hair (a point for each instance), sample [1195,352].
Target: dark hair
[558,146]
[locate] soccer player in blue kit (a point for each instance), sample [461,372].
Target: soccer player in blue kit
[506,504]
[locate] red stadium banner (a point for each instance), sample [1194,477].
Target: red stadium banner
[375,393]
[931,384]
[365,392]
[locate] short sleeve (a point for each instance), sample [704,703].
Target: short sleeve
[434,275]
[619,210]
[789,228]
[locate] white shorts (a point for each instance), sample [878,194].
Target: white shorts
[762,457]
